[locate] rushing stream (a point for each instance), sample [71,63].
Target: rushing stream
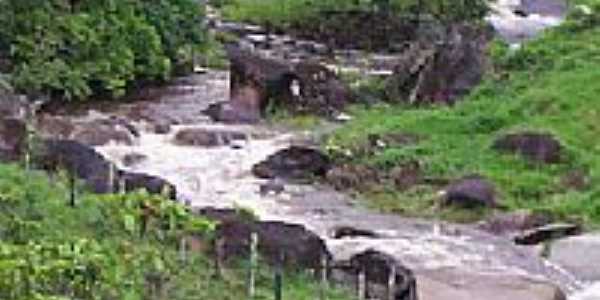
[445,254]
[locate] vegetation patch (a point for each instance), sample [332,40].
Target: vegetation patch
[549,85]
[112,247]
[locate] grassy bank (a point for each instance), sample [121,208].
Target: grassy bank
[551,85]
[96,250]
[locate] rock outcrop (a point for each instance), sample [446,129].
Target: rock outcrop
[441,72]
[535,147]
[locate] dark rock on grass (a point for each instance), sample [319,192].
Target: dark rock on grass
[406,176]
[536,147]
[289,244]
[206,137]
[151,184]
[351,232]
[299,163]
[575,180]
[13,139]
[346,177]
[548,232]
[513,223]
[377,268]
[470,191]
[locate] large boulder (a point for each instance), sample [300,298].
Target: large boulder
[293,163]
[470,191]
[579,255]
[13,139]
[96,132]
[83,161]
[377,268]
[290,245]
[94,170]
[536,147]
[441,72]
[258,82]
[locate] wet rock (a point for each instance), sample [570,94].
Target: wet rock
[271,187]
[13,139]
[451,284]
[545,233]
[319,90]
[162,128]
[441,72]
[513,223]
[293,163]
[291,245]
[351,232]
[133,159]
[536,147]
[206,137]
[579,255]
[377,268]
[101,134]
[471,191]
[151,184]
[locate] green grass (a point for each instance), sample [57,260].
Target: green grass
[551,85]
[51,251]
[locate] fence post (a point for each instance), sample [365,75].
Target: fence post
[278,279]
[362,284]
[219,248]
[323,286]
[252,265]
[111,177]
[122,185]
[72,192]
[183,249]
[391,288]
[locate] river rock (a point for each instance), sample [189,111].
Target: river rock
[350,176]
[151,184]
[547,232]
[278,243]
[206,137]
[293,163]
[456,284]
[13,139]
[470,191]
[536,147]
[101,134]
[578,254]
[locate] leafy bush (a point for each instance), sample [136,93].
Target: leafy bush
[76,48]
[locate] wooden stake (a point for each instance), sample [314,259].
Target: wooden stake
[252,265]
[323,286]
[362,284]
[391,288]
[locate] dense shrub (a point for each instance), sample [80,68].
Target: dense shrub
[76,48]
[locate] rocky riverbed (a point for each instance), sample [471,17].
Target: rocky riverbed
[164,132]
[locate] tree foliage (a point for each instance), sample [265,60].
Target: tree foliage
[75,48]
